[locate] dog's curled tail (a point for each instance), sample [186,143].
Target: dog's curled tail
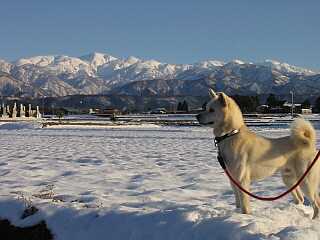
[302,132]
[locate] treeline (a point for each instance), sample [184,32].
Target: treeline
[250,103]
[247,103]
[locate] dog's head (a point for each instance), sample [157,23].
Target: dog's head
[221,112]
[215,108]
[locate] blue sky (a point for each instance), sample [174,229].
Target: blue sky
[176,31]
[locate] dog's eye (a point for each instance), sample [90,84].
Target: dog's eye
[211,110]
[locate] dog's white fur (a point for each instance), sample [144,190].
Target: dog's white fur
[251,157]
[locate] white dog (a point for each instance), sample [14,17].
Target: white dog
[250,157]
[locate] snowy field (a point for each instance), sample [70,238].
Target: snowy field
[138,183]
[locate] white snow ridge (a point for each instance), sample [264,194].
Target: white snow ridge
[139,183]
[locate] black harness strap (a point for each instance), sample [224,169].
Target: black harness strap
[221,161]
[217,140]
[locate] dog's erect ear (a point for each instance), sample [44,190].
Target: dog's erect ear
[222,99]
[212,94]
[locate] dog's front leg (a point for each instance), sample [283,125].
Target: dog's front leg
[236,195]
[244,198]
[242,176]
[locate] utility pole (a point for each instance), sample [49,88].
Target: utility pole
[292,106]
[43,106]
[44,89]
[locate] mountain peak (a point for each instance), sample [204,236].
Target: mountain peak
[132,60]
[97,59]
[41,61]
[237,61]
[210,64]
[285,67]
[5,66]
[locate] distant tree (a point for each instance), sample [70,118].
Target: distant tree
[60,114]
[185,106]
[113,117]
[247,103]
[306,104]
[179,108]
[272,101]
[204,105]
[317,105]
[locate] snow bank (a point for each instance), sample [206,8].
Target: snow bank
[101,126]
[282,222]
[19,125]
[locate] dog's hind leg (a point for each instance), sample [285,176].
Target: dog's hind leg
[309,186]
[299,194]
[289,179]
[315,206]
[312,194]
[317,203]
[318,200]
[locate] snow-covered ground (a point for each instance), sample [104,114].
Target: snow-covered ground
[138,183]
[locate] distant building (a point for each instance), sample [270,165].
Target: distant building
[296,107]
[306,111]
[159,111]
[196,110]
[111,111]
[285,108]
[107,112]
[92,111]
[263,109]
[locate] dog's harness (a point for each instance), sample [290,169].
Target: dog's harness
[222,163]
[217,140]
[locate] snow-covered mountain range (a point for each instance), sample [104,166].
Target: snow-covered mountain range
[99,73]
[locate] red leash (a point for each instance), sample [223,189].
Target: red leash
[267,198]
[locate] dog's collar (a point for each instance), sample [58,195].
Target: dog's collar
[217,140]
